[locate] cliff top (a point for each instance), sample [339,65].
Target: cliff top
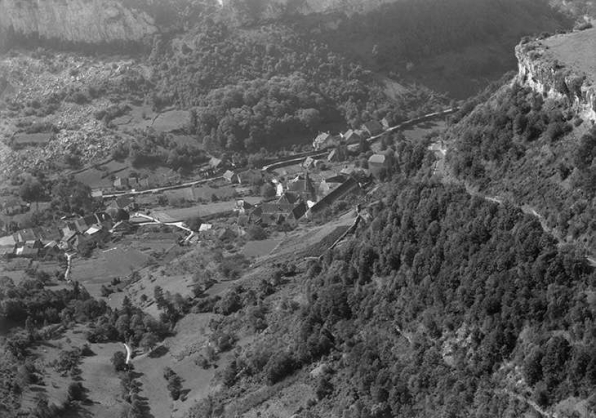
[575,51]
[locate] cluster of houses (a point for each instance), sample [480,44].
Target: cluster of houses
[73,235]
[351,138]
[13,206]
[297,197]
[150,182]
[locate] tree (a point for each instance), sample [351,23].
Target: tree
[174,386]
[119,361]
[267,191]
[256,232]
[160,301]
[31,190]
[148,341]
[76,392]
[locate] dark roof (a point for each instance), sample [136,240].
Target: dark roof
[299,210]
[276,207]
[288,197]
[351,137]
[373,127]
[90,220]
[103,217]
[302,185]
[124,201]
[25,235]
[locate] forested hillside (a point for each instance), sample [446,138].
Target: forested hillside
[445,305]
[250,88]
[535,152]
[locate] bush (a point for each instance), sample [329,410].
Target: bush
[256,232]
[278,367]
[119,361]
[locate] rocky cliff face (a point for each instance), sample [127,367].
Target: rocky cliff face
[74,21]
[251,10]
[559,76]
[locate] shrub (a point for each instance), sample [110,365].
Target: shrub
[279,366]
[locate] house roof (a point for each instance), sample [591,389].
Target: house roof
[243,204]
[299,210]
[229,175]
[124,201]
[351,137]
[25,250]
[214,162]
[373,126]
[377,159]
[25,235]
[277,207]
[288,198]
[323,136]
[205,227]
[93,230]
[301,185]
[7,241]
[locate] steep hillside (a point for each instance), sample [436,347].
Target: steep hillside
[533,141]
[444,305]
[455,46]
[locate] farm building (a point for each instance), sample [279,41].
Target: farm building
[231,177]
[27,251]
[123,202]
[378,165]
[121,183]
[308,163]
[26,237]
[338,154]
[7,245]
[372,127]
[352,137]
[242,206]
[215,163]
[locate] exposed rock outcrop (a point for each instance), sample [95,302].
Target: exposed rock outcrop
[550,67]
[74,21]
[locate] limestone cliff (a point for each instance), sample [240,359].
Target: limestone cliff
[252,10]
[74,21]
[562,67]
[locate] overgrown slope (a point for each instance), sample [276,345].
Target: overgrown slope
[446,304]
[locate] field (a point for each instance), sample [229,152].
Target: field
[260,248]
[575,50]
[174,120]
[206,209]
[418,132]
[104,266]
[304,239]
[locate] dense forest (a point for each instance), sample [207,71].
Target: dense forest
[534,151]
[248,88]
[431,309]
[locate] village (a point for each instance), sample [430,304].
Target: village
[224,204]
